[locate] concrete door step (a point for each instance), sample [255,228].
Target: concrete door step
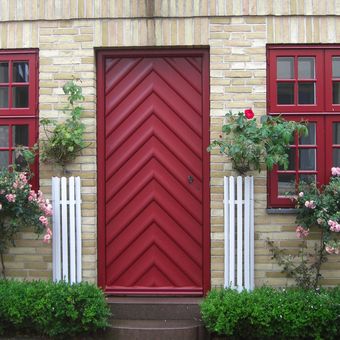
[155,308]
[155,330]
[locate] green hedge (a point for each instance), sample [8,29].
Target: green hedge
[52,309]
[266,313]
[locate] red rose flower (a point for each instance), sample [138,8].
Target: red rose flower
[249,113]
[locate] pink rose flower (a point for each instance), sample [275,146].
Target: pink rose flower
[329,249]
[301,194]
[43,220]
[335,171]
[249,113]
[47,238]
[301,232]
[334,226]
[23,177]
[10,197]
[310,204]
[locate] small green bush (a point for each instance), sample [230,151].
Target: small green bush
[266,313]
[52,309]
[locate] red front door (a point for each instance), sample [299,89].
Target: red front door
[153,172]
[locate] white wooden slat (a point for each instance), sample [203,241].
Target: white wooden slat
[64,227]
[226,232]
[67,229]
[232,231]
[78,230]
[56,244]
[252,233]
[72,230]
[247,235]
[239,233]
[239,200]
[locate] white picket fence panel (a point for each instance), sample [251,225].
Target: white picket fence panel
[239,232]
[66,240]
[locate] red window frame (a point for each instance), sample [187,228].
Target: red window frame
[273,81]
[12,116]
[323,113]
[329,106]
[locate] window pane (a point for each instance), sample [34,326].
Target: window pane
[20,135]
[336,92]
[336,157]
[307,159]
[336,133]
[20,96]
[336,67]
[286,183]
[306,93]
[310,139]
[3,136]
[307,179]
[285,68]
[3,159]
[285,93]
[291,160]
[20,72]
[3,72]
[306,68]
[3,96]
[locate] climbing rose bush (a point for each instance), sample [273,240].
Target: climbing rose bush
[21,207]
[321,208]
[250,144]
[315,208]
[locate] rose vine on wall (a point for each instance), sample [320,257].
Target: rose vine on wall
[249,144]
[65,142]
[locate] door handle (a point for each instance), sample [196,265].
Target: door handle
[190,179]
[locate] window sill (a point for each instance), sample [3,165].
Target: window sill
[283,211]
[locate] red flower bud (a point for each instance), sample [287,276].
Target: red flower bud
[249,113]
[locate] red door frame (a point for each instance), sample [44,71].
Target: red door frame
[101,55]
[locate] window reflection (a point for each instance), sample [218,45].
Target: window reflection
[4,96]
[336,92]
[20,135]
[3,136]
[286,184]
[3,72]
[20,72]
[306,93]
[310,139]
[285,93]
[336,157]
[336,133]
[20,96]
[336,67]
[307,159]
[3,159]
[306,68]
[285,68]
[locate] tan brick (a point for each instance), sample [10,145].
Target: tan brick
[85,37]
[64,31]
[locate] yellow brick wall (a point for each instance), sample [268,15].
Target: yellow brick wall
[235,31]
[87,9]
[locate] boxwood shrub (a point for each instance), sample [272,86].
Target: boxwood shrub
[52,309]
[267,313]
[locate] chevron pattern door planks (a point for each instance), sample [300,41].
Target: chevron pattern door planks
[151,171]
